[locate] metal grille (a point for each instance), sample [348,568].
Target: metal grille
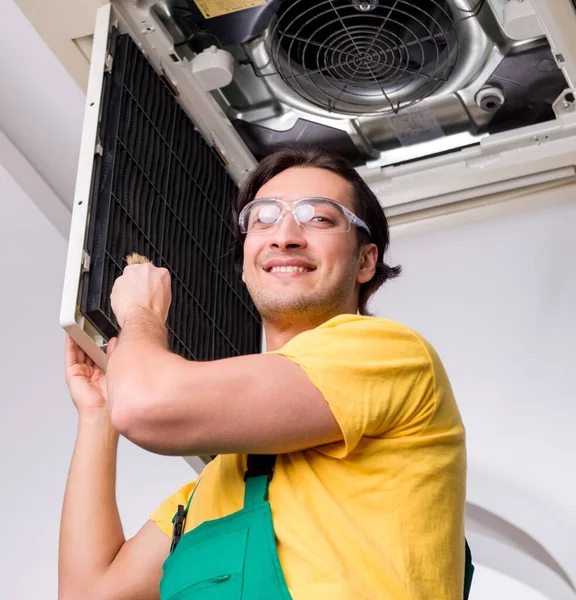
[162,192]
[365,56]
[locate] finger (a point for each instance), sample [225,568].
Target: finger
[111,346]
[71,357]
[132,267]
[81,355]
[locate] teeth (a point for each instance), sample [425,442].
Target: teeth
[288,269]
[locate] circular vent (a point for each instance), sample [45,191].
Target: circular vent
[365,56]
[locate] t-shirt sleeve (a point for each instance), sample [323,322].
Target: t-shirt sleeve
[376,375]
[165,512]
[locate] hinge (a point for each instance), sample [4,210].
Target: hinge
[99,149]
[85,262]
[109,63]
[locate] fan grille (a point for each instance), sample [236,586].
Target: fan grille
[365,56]
[162,192]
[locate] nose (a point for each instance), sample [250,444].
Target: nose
[288,234]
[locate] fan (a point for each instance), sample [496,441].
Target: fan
[365,56]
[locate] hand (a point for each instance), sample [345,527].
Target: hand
[141,286]
[86,381]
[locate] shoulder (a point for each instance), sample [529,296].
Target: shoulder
[364,352]
[361,325]
[363,336]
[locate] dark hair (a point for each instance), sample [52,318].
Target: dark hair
[366,205]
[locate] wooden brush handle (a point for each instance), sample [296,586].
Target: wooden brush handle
[137,259]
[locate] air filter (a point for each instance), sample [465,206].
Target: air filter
[161,191]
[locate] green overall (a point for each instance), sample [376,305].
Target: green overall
[235,557]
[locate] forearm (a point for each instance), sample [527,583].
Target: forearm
[91,532]
[136,361]
[147,384]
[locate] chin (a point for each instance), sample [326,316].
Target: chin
[295,307]
[277,304]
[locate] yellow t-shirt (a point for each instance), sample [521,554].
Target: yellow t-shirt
[379,515]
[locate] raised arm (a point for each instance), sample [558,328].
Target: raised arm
[95,560]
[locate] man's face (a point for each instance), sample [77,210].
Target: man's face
[331,267]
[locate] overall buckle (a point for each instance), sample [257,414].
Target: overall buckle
[259,465]
[178,521]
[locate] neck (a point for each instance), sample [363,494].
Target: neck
[278,333]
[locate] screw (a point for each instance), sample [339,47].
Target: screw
[365,5]
[568,106]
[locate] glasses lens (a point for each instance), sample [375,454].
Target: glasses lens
[261,216]
[322,215]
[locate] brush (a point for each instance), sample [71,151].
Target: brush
[137,259]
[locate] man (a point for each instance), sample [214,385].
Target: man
[367,493]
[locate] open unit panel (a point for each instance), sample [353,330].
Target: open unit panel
[152,185]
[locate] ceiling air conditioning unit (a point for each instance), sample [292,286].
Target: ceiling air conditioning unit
[442,105]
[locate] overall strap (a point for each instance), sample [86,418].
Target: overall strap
[257,477]
[468,571]
[259,473]
[191,496]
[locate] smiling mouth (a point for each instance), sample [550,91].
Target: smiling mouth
[293,269]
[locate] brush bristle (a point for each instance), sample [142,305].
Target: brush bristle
[136,259]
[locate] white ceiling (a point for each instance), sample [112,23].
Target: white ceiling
[41,110]
[66,26]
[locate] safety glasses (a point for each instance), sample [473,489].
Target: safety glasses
[320,215]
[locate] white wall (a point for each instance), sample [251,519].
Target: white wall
[497,300]
[492,585]
[38,420]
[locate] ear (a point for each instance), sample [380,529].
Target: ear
[368,261]
[243,278]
